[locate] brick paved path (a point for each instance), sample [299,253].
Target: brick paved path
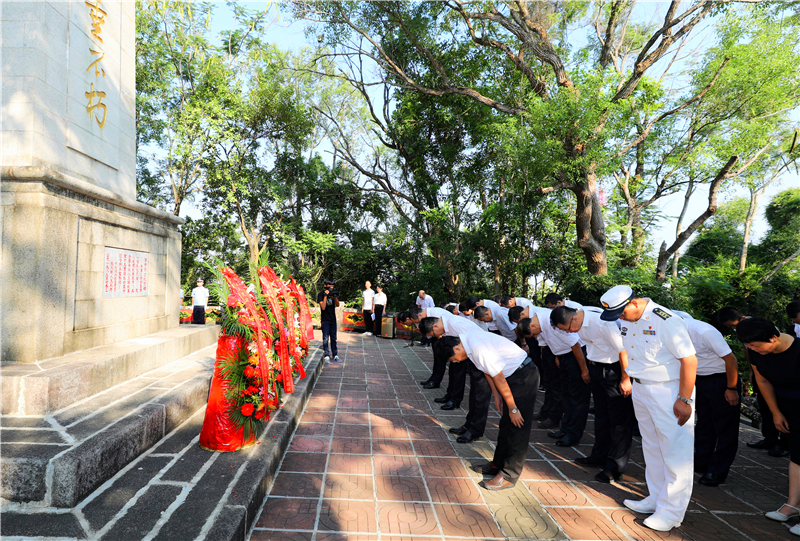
[372,460]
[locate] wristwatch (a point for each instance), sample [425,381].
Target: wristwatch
[515,411]
[685,400]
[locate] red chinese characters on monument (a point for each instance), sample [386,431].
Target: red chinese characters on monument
[125,273]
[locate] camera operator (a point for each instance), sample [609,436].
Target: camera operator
[328,300]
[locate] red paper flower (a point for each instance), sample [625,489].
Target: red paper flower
[260,414]
[250,372]
[247,409]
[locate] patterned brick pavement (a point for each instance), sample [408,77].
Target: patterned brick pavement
[371,460]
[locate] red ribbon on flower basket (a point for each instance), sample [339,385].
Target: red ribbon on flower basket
[290,328]
[306,324]
[265,275]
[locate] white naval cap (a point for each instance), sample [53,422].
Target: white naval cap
[614,302]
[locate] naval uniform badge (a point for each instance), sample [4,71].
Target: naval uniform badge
[661,313]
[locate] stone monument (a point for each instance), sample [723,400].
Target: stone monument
[83,263]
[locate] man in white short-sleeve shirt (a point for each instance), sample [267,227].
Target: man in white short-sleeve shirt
[717,428]
[494,313]
[514,381]
[663,366]
[614,419]
[368,296]
[436,326]
[200,296]
[424,300]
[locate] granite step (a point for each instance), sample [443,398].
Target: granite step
[59,458]
[47,386]
[174,490]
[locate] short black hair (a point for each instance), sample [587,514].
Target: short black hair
[328,281]
[415,312]
[756,329]
[469,303]
[505,300]
[792,309]
[446,345]
[729,313]
[497,298]
[480,311]
[426,325]
[524,326]
[562,315]
[514,314]
[451,308]
[403,316]
[378,286]
[553,298]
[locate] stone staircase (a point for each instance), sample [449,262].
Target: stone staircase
[71,423]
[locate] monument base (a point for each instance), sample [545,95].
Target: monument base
[61,292]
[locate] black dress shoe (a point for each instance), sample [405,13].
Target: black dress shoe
[760,444]
[565,443]
[441,400]
[590,461]
[467,437]
[458,431]
[711,480]
[606,476]
[486,469]
[430,385]
[778,451]
[449,405]
[537,416]
[547,423]
[557,434]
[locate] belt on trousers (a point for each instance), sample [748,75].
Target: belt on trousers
[595,363]
[522,365]
[651,382]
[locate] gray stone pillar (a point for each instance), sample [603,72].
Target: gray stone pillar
[83,263]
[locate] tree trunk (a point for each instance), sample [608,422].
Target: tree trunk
[665,253]
[686,198]
[755,195]
[590,226]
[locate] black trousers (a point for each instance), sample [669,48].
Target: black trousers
[378,319]
[439,363]
[716,434]
[575,395]
[457,382]
[199,315]
[772,435]
[613,419]
[480,397]
[512,442]
[367,319]
[535,353]
[552,408]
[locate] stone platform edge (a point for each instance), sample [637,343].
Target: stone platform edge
[234,516]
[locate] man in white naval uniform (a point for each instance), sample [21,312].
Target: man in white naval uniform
[499,315]
[663,367]
[415,315]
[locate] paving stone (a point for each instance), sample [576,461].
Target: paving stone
[179,438]
[201,500]
[140,519]
[23,467]
[187,466]
[23,435]
[230,525]
[101,509]
[83,409]
[408,518]
[12,421]
[111,414]
[300,485]
[27,526]
[85,467]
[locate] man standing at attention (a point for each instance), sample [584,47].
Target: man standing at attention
[328,300]
[366,307]
[663,367]
[200,296]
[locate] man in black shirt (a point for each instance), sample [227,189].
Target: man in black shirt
[328,300]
